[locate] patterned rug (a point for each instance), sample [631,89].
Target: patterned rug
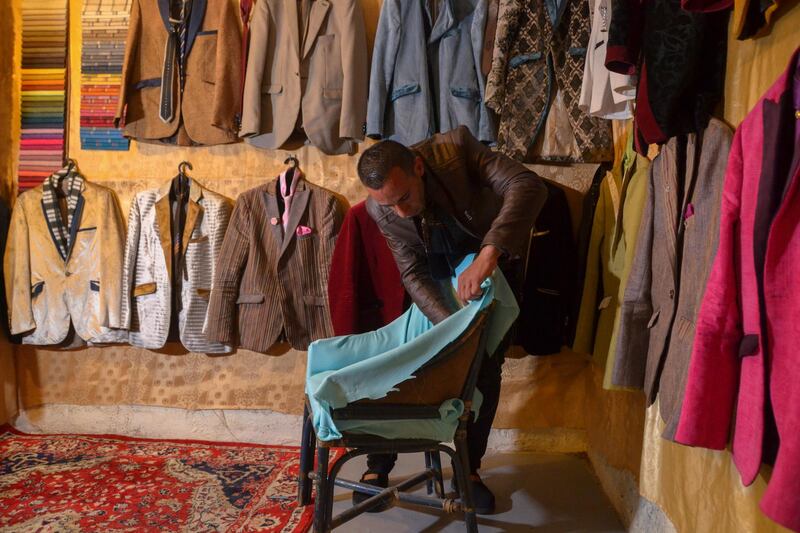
[79,483]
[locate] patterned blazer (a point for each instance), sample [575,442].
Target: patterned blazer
[146,290]
[540,47]
[267,282]
[46,292]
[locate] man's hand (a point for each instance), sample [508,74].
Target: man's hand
[469,282]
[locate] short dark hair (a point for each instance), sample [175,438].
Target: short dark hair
[377,160]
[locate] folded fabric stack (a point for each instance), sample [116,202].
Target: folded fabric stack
[105,25]
[44,60]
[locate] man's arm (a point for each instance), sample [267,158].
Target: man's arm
[415,272]
[523,194]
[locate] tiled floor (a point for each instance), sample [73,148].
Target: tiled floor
[535,493]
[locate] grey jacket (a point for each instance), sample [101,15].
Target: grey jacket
[406,103]
[675,249]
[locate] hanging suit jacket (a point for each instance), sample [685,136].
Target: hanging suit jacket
[541,47]
[427,66]
[616,225]
[269,282]
[206,111]
[744,375]
[364,291]
[47,292]
[147,286]
[547,293]
[319,75]
[680,60]
[676,244]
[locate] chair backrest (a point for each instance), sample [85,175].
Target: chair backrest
[449,374]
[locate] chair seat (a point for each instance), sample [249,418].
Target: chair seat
[365,411]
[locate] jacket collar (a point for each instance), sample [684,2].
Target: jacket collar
[555,10]
[445,22]
[297,209]
[195,19]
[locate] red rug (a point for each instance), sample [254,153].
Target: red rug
[111,483]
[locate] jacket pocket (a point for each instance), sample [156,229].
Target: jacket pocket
[748,345]
[250,299]
[203,293]
[466,92]
[37,288]
[521,59]
[405,90]
[94,285]
[577,51]
[198,240]
[316,301]
[275,88]
[144,289]
[653,319]
[685,328]
[146,84]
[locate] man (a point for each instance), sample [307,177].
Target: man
[436,202]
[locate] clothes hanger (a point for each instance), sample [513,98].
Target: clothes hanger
[294,164]
[71,166]
[181,181]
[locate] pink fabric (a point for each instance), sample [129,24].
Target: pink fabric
[737,353]
[288,192]
[303,230]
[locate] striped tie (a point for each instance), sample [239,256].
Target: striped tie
[182,33]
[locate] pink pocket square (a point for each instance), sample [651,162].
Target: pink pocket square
[303,231]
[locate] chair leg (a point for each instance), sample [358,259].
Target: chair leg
[322,502]
[307,445]
[428,465]
[436,459]
[461,467]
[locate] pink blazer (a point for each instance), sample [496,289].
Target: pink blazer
[747,341]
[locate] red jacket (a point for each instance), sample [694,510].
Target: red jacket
[747,341]
[364,287]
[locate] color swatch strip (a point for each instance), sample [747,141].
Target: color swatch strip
[104,29]
[44,89]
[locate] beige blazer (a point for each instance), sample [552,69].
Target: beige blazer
[147,278]
[44,292]
[322,77]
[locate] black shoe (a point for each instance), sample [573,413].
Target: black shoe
[482,497]
[381,481]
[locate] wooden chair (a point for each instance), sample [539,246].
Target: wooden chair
[452,373]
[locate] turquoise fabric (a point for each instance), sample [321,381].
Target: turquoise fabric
[344,369]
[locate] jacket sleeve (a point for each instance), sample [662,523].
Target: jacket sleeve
[355,68]
[17,269]
[131,53]
[222,316]
[486,127]
[111,233]
[227,75]
[522,191]
[384,56]
[585,329]
[424,291]
[624,36]
[712,381]
[129,264]
[345,275]
[216,239]
[256,60]
[636,308]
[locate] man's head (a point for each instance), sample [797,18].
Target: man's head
[393,176]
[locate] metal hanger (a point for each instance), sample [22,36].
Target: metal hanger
[181,181]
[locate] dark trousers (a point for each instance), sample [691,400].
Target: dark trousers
[489,378]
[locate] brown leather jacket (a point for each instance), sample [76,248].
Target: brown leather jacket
[491,197]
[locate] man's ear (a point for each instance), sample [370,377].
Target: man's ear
[419,166]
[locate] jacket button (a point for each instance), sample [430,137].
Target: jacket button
[68,273]
[671,294]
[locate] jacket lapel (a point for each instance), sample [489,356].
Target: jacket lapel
[293,21]
[669,169]
[76,223]
[195,21]
[193,213]
[444,22]
[315,19]
[163,9]
[273,216]
[163,226]
[298,208]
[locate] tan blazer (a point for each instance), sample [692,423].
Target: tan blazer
[266,283]
[44,292]
[147,280]
[323,75]
[206,112]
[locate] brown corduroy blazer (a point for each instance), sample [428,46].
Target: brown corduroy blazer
[266,283]
[675,249]
[206,112]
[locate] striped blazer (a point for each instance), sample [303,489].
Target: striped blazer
[147,270]
[266,283]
